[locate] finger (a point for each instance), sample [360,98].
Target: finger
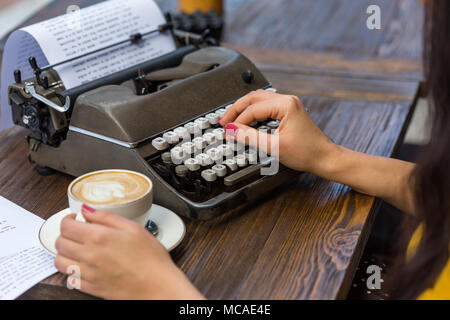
[106,218]
[75,230]
[241,104]
[69,248]
[273,108]
[255,138]
[91,288]
[73,268]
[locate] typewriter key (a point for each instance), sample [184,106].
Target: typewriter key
[273,124]
[182,133]
[171,137]
[181,171]
[203,123]
[160,144]
[209,175]
[241,160]
[215,154]
[220,170]
[177,154]
[193,128]
[166,157]
[189,148]
[264,128]
[221,112]
[272,90]
[210,138]
[200,143]
[213,118]
[231,164]
[192,164]
[228,107]
[204,159]
[227,150]
[236,146]
[252,156]
[219,133]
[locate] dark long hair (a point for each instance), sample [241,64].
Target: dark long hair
[432,175]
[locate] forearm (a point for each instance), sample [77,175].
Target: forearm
[385,178]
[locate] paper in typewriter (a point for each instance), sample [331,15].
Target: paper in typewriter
[80,32]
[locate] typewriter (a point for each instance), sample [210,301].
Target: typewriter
[159,118]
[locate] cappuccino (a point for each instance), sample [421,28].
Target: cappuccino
[110,188]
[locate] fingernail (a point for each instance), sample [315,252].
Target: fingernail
[85,207]
[231,130]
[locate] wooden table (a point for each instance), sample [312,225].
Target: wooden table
[306,241]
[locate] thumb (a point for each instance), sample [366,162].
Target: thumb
[104,218]
[266,142]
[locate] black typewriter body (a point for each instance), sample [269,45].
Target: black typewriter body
[160,119]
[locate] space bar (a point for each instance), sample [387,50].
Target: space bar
[246,173]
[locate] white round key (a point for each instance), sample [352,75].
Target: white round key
[160,144]
[241,160]
[227,150]
[272,90]
[203,123]
[192,164]
[177,153]
[204,159]
[213,118]
[200,143]
[252,156]
[264,128]
[188,147]
[182,133]
[228,106]
[273,124]
[166,157]
[181,171]
[215,154]
[209,175]
[171,137]
[220,169]
[236,146]
[219,133]
[221,112]
[192,127]
[210,137]
[231,163]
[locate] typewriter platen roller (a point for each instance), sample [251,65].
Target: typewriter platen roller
[160,119]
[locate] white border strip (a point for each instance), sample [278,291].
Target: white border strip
[130,145]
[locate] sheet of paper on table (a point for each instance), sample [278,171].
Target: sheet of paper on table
[81,32]
[23,260]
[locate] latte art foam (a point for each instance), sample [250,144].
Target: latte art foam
[110,188]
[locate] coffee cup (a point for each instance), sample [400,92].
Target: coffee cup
[125,193]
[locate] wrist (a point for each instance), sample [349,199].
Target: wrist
[329,161]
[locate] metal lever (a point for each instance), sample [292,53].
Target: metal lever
[30,89]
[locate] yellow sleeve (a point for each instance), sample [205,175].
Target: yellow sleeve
[441,289]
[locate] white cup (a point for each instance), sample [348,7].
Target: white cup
[136,210]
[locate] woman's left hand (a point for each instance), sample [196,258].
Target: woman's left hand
[119,259]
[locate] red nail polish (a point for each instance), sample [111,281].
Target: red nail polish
[231,130]
[85,207]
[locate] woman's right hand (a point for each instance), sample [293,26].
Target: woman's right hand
[298,142]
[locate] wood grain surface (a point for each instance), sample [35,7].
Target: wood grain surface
[305,241]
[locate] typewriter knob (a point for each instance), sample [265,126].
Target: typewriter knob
[17,76]
[248,76]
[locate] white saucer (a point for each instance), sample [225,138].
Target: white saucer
[171,228]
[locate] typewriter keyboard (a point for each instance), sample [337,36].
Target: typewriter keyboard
[197,161]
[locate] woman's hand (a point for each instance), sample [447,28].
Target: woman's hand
[301,145]
[119,259]
[298,142]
